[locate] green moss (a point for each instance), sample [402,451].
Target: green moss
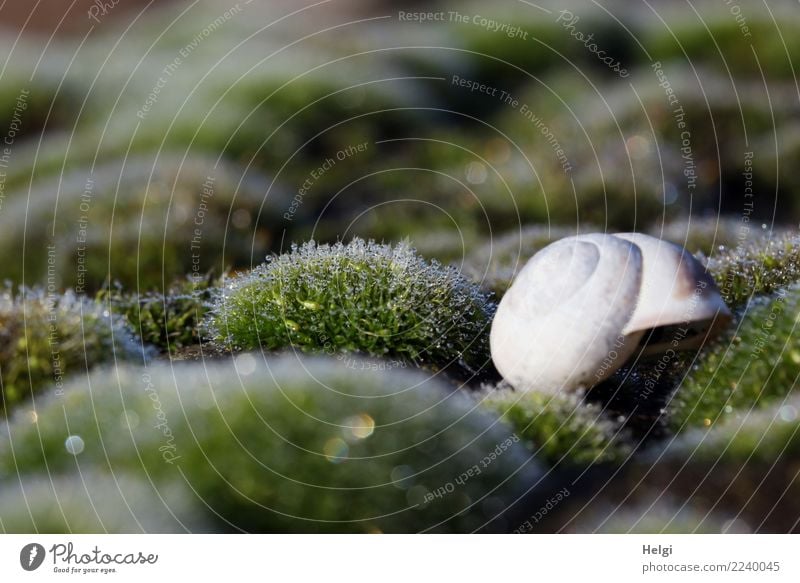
[561,428]
[756,267]
[739,475]
[288,445]
[140,221]
[167,321]
[753,364]
[359,297]
[708,236]
[716,34]
[761,435]
[46,338]
[92,501]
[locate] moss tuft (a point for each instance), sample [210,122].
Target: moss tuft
[756,268]
[45,338]
[167,321]
[561,429]
[754,363]
[288,445]
[359,297]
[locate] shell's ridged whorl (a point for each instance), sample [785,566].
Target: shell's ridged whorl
[565,311]
[581,307]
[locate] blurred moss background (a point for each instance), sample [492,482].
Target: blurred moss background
[151,152]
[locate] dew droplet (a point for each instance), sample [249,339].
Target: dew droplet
[74,444]
[245,364]
[358,426]
[336,450]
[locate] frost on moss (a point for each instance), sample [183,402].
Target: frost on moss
[93,501]
[754,363]
[289,444]
[756,267]
[360,297]
[166,321]
[561,429]
[45,338]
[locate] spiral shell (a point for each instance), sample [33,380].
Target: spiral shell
[582,306]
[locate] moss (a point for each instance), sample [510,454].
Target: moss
[711,236]
[715,34]
[561,428]
[288,445]
[168,321]
[140,221]
[761,435]
[45,338]
[753,364]
[359,297]
[93,502]
[738,475]
[757,267]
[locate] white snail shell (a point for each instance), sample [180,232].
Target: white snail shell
[582,306]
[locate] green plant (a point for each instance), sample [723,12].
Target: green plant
[754,363]
[142,221]
[288,444]
[561,428]
[167,321]
[738,475]
[45,338]
[756,267]
[359,297]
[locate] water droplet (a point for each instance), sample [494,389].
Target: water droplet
[788,413]
[336,450]
[476,173]
[358,427]
[245,364]
[74,444]
[400,477]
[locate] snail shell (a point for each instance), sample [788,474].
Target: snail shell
[582,306]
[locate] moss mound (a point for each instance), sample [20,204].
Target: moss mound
[360,297]
[93,501]
[561,429]
[143,222]
[168,321]
[44,339]
[288,445]
[756,362]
